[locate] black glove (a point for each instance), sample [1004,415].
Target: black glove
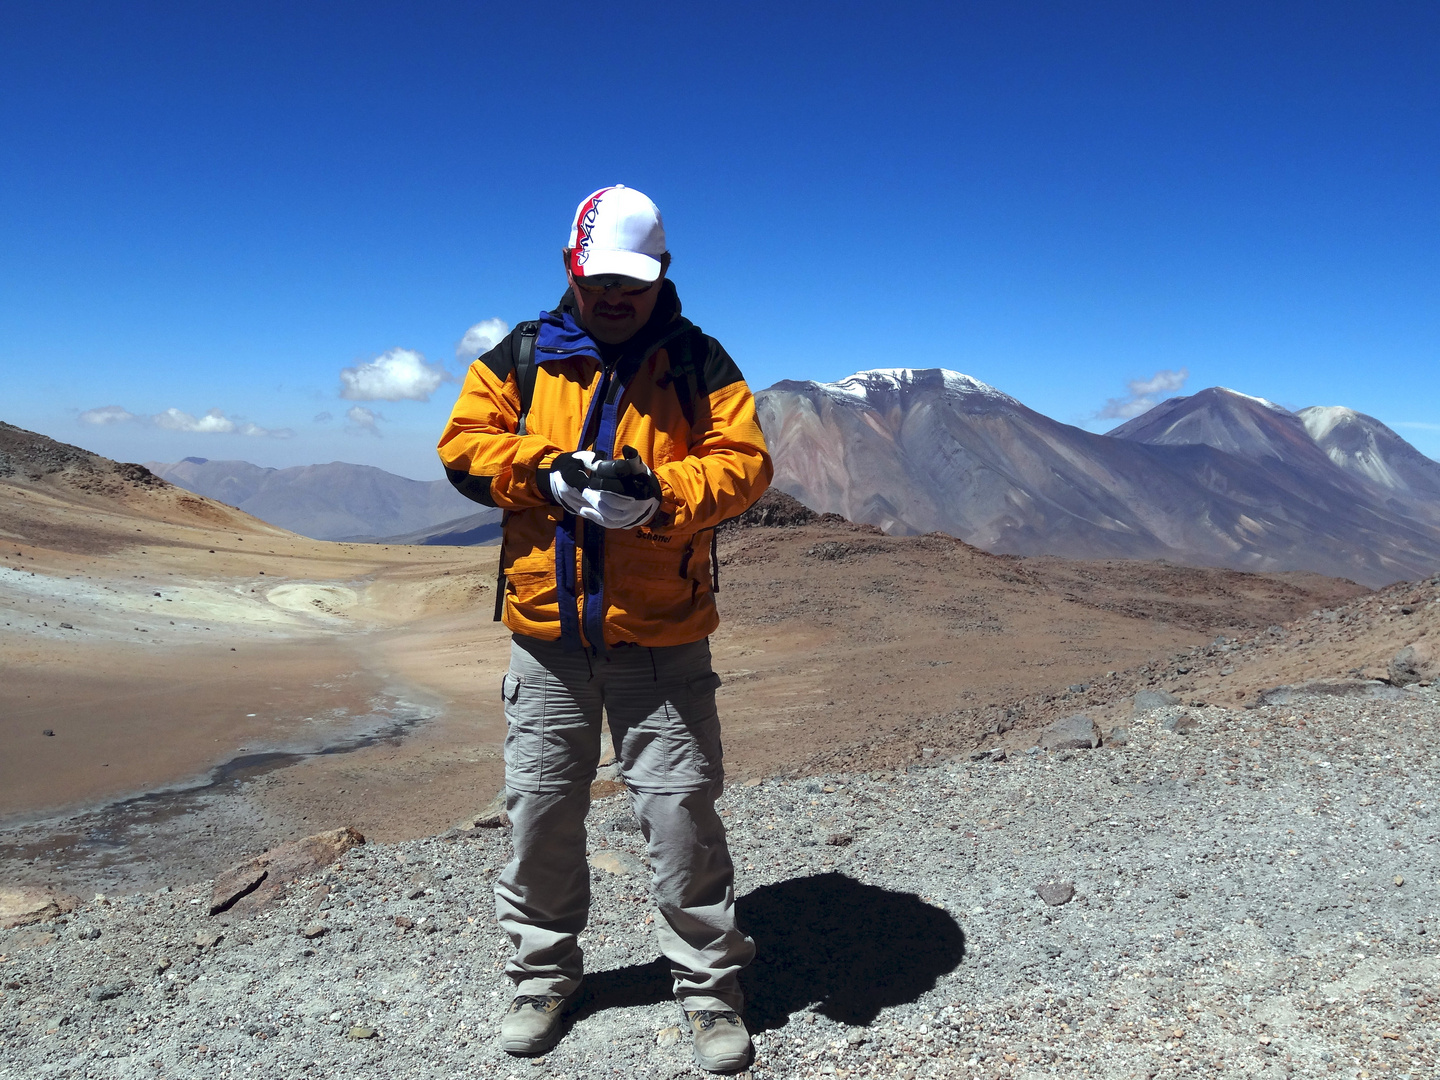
[626,475]
[567,478]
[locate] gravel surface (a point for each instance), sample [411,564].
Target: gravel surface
[1237,892]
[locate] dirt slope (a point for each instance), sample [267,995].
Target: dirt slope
[839,644]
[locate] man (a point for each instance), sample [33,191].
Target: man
[616,440]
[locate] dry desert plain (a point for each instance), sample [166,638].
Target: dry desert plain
[157,641]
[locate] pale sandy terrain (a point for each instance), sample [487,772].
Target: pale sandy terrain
[197,633]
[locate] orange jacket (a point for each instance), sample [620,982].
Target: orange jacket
[676,396]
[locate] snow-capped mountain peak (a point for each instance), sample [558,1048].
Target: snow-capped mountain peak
[860,386]
[1321,420]
[1363,445]
[1258,400]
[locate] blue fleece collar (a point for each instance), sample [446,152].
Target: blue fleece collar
[561,335]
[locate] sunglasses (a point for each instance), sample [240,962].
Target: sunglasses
[604,282]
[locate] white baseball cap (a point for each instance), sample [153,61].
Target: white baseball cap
[617,230]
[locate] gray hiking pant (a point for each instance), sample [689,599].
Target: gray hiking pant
[661,707]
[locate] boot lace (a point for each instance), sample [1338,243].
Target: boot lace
[708,1018]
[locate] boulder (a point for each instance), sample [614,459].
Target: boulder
[261,881]
[1076,732]
[1415,663]
[1055,892]
[1150,700]
[493,816]
[21,905]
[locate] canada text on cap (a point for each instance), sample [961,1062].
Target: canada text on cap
[617,230]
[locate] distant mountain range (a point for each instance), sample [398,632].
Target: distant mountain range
[339,501]
[1217,478]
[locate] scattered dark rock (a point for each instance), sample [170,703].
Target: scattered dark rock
[493,816]
[1077,732]
[626,823]
[1055,892]
[840,839]
[1184,724]
[207,939]
[358,1032]
[109,991]
[314,930]
[774,509]
[48,733]
[1360,688]
[840,549]
[404,922]
[415,893]
[1118,737]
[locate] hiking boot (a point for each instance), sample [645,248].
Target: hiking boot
[532,1025]
[721,1042]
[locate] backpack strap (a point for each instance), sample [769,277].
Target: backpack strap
[684,374]
[715,559]
[525,370]
[525,383]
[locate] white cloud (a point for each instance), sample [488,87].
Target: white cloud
[323,418]
[363,421]
[480,339]
[214,422]
[107,414]
[1144,395]
[398,375]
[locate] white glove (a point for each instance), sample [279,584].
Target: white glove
[629,493]
[618,511]
[569,476]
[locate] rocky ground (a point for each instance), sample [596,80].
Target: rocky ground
[1242,880]
[1246,892]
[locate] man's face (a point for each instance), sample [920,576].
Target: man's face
[616,314]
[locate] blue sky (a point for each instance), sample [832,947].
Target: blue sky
[220,209]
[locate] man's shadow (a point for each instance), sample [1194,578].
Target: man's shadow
[827,941]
